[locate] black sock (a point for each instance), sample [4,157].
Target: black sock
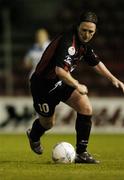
[37,130]
[83,128]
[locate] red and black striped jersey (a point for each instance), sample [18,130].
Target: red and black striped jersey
[65,51]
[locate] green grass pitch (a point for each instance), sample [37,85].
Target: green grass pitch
[18,162]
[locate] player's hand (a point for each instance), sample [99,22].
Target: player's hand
[118,84]
[82,89]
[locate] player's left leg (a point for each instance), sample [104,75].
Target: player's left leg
[83,125]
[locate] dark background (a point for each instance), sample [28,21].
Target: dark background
[19,19]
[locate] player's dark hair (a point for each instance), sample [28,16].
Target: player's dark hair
[88,17]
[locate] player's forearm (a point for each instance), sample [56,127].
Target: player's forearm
[101,69]
[66,77]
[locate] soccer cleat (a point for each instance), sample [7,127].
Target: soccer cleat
[35,146]
[85,157]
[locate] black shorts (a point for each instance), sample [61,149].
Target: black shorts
[46,96]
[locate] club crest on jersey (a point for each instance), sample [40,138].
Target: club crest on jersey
[71,51]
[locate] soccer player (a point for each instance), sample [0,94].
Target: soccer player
[34,54]
[53,82]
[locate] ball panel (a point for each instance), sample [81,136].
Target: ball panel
[63,152]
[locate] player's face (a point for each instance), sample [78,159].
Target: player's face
[86,30]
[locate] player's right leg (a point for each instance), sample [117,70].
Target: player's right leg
[39,127]
[44,105]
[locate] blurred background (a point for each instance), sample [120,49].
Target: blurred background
[19,21]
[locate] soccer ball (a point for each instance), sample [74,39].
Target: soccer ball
[63,152]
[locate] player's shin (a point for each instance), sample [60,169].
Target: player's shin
[83,128]
[37,131]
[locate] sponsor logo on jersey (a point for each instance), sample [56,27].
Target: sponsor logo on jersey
[68,60]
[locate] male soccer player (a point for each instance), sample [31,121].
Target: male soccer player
[52,82]
[34,54]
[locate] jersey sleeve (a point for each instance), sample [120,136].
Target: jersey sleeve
[62,57]
[90,57]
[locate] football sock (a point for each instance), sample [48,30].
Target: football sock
[37,131]
[83,128]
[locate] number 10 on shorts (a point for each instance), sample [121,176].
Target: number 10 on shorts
[44,107]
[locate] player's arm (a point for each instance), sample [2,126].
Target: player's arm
[67,78]
[63,64]
[28,61]
[102,69]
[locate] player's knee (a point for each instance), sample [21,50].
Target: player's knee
[87,110]
[47,122]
